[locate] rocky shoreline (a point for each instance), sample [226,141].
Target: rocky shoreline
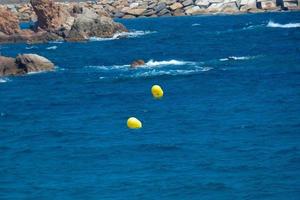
[56,22]
[157,8]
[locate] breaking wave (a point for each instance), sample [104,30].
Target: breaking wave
[149,64]
[4,80]
[236,58]
[117,36]
[277,25]
[196,24]
[52,48]
[151,68]
[32,47]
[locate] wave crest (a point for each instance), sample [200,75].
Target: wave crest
[237,58]
[51,48]
[277,25]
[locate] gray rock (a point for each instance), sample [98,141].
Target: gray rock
[149,12]
[119,14]
[164,12]
[160,7]
[188,2]
[202,3]
[88,25]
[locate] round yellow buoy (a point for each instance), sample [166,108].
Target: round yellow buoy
[157,92]
[134,123]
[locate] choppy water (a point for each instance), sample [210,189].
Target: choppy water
[227,128]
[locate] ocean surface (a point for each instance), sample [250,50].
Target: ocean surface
[228,126]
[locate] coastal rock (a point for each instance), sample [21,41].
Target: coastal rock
[33,63]
[9,67]
[160,7]
[176,6]
[89,24]
[194,10]
[187,3]
[136,11]
[23,64]
[50,15]
[179,12]
[9,23]
[268,5]
[223,7]
[137,63]
[202,3]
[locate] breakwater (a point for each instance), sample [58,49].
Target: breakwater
[158,8]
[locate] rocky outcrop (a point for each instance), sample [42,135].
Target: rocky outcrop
[58,22]
[88,23]
[9,23]
[50,16]
[23,64]
[155,8]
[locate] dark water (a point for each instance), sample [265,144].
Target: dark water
[228,126]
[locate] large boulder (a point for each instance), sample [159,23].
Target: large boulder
[9,23]
[23,64]
[9,67]
[89,24]
[34,63]
[50,16]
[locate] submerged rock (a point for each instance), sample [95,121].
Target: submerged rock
[137,63]
[24,63]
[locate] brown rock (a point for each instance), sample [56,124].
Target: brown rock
[9,67]
[34,63]
[136,11]
[23,64]
[137,63]
[9,23]
[176,6]
[50,16]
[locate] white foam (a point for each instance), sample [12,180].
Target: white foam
[103,67]
[196,24]
[175,72]
[52,48]
[149,64]
[4,80]
[117,36]
[152,63]
[32,47]
[236,58]
[56,42]
[277,25]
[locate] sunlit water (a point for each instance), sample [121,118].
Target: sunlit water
[227,128]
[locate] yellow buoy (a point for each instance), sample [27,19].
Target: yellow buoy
[157,92]
[134,123]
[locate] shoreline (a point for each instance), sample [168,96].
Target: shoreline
[163,8]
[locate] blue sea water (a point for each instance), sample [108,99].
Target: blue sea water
[228,126]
